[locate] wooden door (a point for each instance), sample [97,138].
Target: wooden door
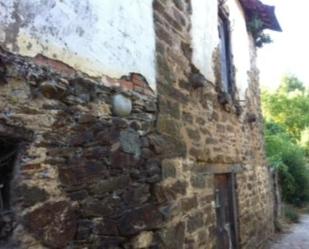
[227,233]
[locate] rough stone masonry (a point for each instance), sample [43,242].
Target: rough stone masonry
[83,177]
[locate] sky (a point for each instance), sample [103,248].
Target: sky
[289,52]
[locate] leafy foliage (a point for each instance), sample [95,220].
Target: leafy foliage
[290,84]
[255,26]
[288,106]
[286,117]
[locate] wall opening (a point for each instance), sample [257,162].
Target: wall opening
[226,211]
[8,151]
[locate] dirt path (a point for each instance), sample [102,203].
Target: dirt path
[297,238]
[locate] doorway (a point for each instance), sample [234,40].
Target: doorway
[8,151]
[226,211]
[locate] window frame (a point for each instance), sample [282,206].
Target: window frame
[226,58]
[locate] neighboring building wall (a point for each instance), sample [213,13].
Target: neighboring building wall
[87,178]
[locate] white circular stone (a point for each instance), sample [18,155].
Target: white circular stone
[122,106]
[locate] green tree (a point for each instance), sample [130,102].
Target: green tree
[290,84]
[285,155]
[286,114]
[288,106]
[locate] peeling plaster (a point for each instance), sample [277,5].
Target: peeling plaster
[95,36]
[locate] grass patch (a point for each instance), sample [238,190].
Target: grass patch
[291,214]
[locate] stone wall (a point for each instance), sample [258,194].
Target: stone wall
[87,178]
[212,136]
[83,177]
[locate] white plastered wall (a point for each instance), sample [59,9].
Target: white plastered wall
[95,36]
[205,40]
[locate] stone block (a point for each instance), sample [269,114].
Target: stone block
[53,89]
[169,168]
[82,172]
[195,222]
[144,218]
[168,125]
[198,181]
[173,237]
[84,229]
[172,209]
[31,195]
[143,240]
[194,134]
[109,185]
[130,142]
[199,154]
[170,107]
[187,117]
[170,192]
[53,223]
[107,136]
[137,195]
[189,203]
[168,146]
[107,207]
[123,161]
[81,138]
[106,226]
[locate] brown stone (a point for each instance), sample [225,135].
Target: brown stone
[220,128]
[193,134]
[168,126]
[173,237]
[81,138]
[106,227]
[53,89]
[211,140]
[187,117]
[31,195]
[170,107]
[137,195]
[164,35]
[189,203]
[199,154]
[84,229]
[144,218]
[54,224]
[122,160]
[201,121]
[168,169]
[168,146]
[170,192]
[109,185]
[108,207]
[198,181]
[82,172]
[195,222]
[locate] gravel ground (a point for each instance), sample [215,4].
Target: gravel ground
[296,238]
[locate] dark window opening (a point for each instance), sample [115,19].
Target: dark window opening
[225,47]
[8,151]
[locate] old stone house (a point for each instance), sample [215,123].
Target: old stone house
[132,124]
